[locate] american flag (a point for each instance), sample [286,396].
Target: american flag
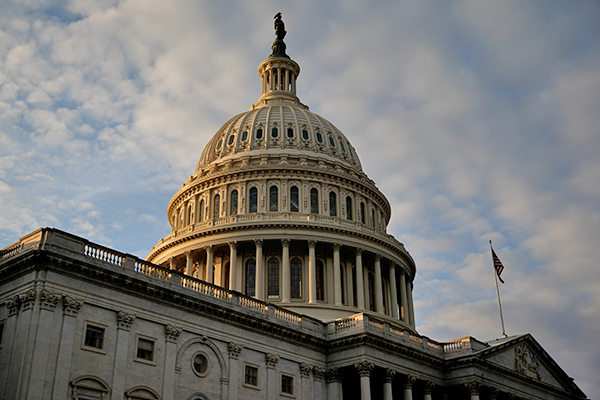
[497,265]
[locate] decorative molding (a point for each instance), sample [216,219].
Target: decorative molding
[258,242]
[312,244]
[71,306]
[428,387]
[27,299]
[473,388]
[318,373]
[13,305]
[285,242]
[358,251]
[409,381]
[171,332]
[527,363]
[333,375]
[124,320]
[234,350]
[305,370]
[337,246]
[364,368]
[271,360]
[377,257]
[48,300]
[389,374]
[233,244]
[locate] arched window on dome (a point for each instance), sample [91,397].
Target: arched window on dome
[332,204]
[296,278]
[233,203]
[216,206]
[290,133]
[294,201]
[201,211]
[305,134]
[273,199]
[331,141]
[362,212]
[259,133]
[244,135]
[250,277]
[191,213]
[273,278]
[181,218]
[314,201]
[349,208]
[319,137]
[320,280]
[230,140]
[274,132]
[253,200]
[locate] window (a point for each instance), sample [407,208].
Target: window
[219,144]
[332,204]
[320,281]
[251,376]
[250,277]
[190,211]
[230,140]
[233,203]
[314,201]
[287,384]
[200,364]
[296,277]
[145,350]
[274,132]
[362,212]
[253,201]
[304,134]
[342,146]
[273,199]
[244,135]
[273,278]
[259,133]
[331,141]
[94,336]
[217,206]
[319,137]
[201,211]
[290,132]
[294,204]
[349,208]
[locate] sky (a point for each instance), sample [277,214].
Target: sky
[479,120]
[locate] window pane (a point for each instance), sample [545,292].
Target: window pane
[259,133]
[250,277]
[217,206]
[273,199]
[273,278]
[201,211]
[332,204]
[290,133]
[251,376]
[294,199]
[145,349]
[296,277]
[253,201]
[94,336]
[304,134]
[274,132]
[244,135]
[314,201]
[234,203]
[320,281]
[319,137]
[287,384]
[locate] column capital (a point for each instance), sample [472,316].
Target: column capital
[388,376]
[258,242]
[27,299]
[285,242]
[172,333]
[71,306]
[209,248]
[358,251]
[473,388]
[312,244]
[428,387]
[494,392]
[305,370]
[409,381]
[337,246]
[271,360]
[124,320]
[187,253]
[364,368]
[234,350]
[233,244]
[48,300]
[13,305]
[333,375]
[377,257]
[318,373]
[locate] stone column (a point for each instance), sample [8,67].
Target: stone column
[408,384]
[232,265]
[305,371]
[234,373]
[403,299]
[350,291]
[285,272]
[378,285]
[71,308]
[337,279]
[334,384]
[364,370]
[360,286]
[318,374]
[366,289]
[172,263]
[494,393]
[427,388]
[393,293]
[387,384]
[171,335]
[272,376]
[312,272]
[260,273]
[411,311]
[189,263]
[209,269]
[10,332]
[124,322]
[473,388]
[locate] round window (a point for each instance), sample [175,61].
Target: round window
[200,364]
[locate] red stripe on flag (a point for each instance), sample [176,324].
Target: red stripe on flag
[497,265]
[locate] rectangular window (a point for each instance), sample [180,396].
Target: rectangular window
[287,384]
[94,336]
[145,349]
[251,376]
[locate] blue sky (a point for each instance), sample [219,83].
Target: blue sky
[477,119]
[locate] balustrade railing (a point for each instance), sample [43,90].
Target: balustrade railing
[10,251]
[152,270]
[104,254]
[287,316]
[255,305]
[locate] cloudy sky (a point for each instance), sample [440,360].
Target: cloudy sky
[477,119]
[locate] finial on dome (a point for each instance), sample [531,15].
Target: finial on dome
[278,46]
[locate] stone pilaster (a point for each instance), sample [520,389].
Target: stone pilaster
[285,271]
[305,371]
[337,276]
[209,264]
[171,335]
[272,383]
[360,286]
[124,321]
[260,272]
[234,351]
[233,265]
[334,384]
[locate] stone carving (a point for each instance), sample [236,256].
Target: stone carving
[428,387]
[13,305]
[527,363]
[333,375]
[171,332]
[285,242]
[312,244]
[364,368]
[318,373]
[305,370]
[124,320]
[48,300]
[27,299]
[388,376]
[337,246]
[494,392]
[409,381]
[71,306]
[258,242]
[473,388]
[234,350]
[233,244]
[271,360]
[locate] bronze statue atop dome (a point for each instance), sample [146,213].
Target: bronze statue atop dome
[279,46]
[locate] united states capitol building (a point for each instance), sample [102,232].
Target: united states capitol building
[277,281]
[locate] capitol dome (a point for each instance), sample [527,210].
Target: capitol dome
[280,210]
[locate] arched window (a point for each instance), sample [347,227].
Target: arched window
[362,212]
[296,278]
[244,136]
[250,277]
[230,140]
[319,137]
[217,206]
[290,133]
[314,201]
[274,132]
[233,208]
[304,134]
[253,200]
[349,208]
[191,213]
[259,133]
[294,203]
[332,204]
[273,198]
[320,280]
[273,278]
[201,211]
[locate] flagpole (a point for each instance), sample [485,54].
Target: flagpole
[497,291]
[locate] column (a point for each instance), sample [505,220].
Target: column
[360,286]
[171,335]
[10,332]
[189,263]
[124,322]
[473,388]
[427,388]
[209,264]
[318,390]
[366,289]
[378,285]
[393,293]
[411,312]
[285,272]
[337,279]
[234,373]
[334,384]
[387,384]
[232,265]
[403,299]
[272,376]
[172,263]
[312,272]
[350,294]
[408,384]
[305,371]
[259,286]
[364,370]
